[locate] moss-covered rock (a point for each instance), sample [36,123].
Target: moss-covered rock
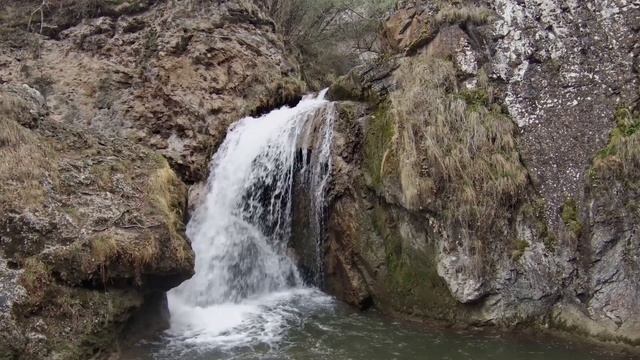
[497,171]
[609,240]
[379,135]
[440,212]
[571,217]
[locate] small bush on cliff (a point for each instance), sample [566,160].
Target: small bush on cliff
[330,35]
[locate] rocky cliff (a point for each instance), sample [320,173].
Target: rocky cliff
[495,153]
[107,109]
[171,76]
[485,168]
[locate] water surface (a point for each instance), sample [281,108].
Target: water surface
[307,324]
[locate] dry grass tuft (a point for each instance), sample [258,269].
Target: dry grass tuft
[461,145]
[621,157]
[24,162]
[163,194]
[475,15]
[104,248]
[107,251]
[36,280]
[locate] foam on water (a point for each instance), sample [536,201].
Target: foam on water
[255,321]
[246,289]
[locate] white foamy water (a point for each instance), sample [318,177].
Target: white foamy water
[246,289]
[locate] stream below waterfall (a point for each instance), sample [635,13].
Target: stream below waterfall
[308,325]
[248,300]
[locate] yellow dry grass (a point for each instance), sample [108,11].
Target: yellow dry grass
[164,194]
[459,146]
[24,164]
[450,14]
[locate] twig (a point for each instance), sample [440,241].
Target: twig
[129,226]
[112,221]
[41,9]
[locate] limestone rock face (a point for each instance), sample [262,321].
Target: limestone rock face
[495,167]
[567,66]
[171,76]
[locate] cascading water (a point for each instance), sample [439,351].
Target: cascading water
[246,288]
[248,301]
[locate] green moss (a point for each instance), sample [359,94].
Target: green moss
[475,98]
[571,218]
[619,161]
[412,284]
[520,247]
[534,214]
[627,125]
[150,47]
[377,144]
[550,241]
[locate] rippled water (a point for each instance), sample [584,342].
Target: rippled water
[307,324]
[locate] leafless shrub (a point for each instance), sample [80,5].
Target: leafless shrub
[331,36]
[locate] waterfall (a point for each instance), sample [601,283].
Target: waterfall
[245,278]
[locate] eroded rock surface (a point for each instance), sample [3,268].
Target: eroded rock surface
[107,110]
[89,226]
[495,169]
[172,76]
